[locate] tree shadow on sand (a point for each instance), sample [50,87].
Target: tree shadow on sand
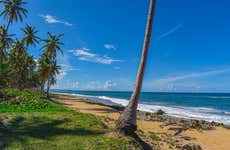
[19,128]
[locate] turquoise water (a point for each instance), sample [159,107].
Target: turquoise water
[205,106]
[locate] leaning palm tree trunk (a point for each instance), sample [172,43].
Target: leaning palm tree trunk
[127,121]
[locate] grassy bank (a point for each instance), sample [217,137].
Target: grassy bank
[28,121]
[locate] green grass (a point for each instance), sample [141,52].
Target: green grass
[54,127]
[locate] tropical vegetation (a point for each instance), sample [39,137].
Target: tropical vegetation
[18,68]
[28,120]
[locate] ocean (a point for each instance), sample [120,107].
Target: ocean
[201,106]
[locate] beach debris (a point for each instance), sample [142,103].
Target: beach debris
[185,123]
[187,138]
[178,130]
[191,146]
[177,122]
[160,112]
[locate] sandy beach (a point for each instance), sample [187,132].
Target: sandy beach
[217,139]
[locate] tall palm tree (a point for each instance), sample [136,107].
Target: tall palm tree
[5,42]
[20,64]
[52,45]
[13,11]
[29,67]
[54,70]
[48,70]
[44,69]
[30,37]
[50,49]
[127,121]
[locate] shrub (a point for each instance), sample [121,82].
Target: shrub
[31,99]
[10,93]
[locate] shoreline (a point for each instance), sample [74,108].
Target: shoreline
[144,114]
[211,136]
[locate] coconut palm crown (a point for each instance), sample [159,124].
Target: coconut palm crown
[52,45]
[13,11]
[5,42]
[30,36]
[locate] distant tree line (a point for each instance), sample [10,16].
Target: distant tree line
[18,68]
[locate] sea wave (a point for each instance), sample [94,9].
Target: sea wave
[200,113]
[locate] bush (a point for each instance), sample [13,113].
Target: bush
[31,99]
[10,93]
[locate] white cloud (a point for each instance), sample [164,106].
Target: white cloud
[171,31]
[93,85]
[67,84]
[190,75]
[68,68]
[109,84]
[61,75]
[182,82]
[96,85]
[64,71]
[83,54]
[110,46]
[53,20]
[186,82]
[75,85]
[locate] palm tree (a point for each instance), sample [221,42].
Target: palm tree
[5,75]
[29,66]
[30,37]
[52,45]
[5,42]
[54,70]
[20,61]
[48,70]
[13,11]
[48,60]
[43,70]
[127,121]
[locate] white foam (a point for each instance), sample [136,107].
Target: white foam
[122,102]
[200,113]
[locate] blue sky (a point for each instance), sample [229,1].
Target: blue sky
[103,39]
